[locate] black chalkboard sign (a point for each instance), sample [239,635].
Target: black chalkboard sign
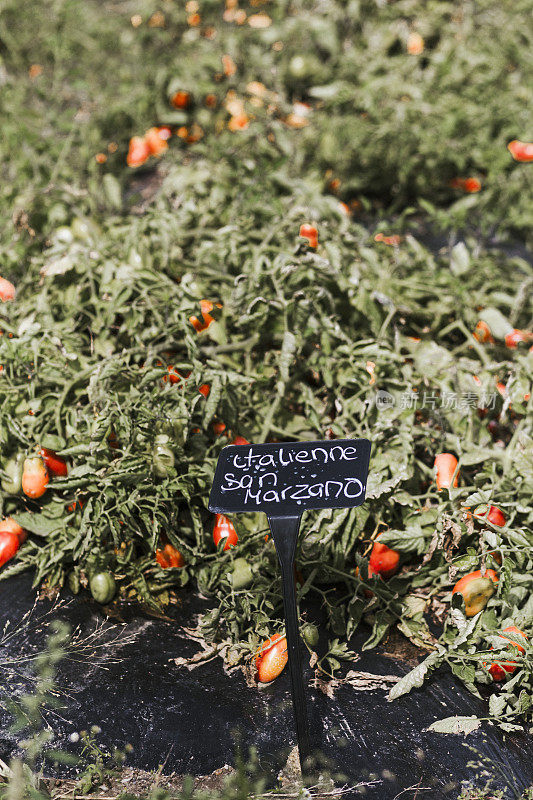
[286,479]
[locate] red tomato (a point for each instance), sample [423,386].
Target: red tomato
[491,513]
[54,464]
[393,240]
[206,306]
[224,529]
[219,428]
[500,669]
[204,389]
[468,185]
[181,99]
[445,464]
[34,477]
[169,557]
[7,290]
[173,375]
[138,152]
[521,151]
[383,561]
[240,440]
[9,544]
[309,232]
[472,185]
[9,525]
[515,337]
[271,658]
[476,589]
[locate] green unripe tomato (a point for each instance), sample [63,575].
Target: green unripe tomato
[12,474]
[103,587]
[163,458]
[241,576]
[310,634]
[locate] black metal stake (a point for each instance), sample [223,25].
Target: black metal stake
[285,534]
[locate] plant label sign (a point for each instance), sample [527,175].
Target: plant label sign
[283,481]
[287,479]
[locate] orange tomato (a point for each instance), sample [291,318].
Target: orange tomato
[393,241]
[415,44]
[228,65]
[239,122]
[138,153]
[206,306]
[445,465]
[7,290]
[500,669]
[34,477]
[482,332]
[156,141]
[224,530]
[476,589]
[271,658]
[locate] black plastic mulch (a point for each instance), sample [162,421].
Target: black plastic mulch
[125,682]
